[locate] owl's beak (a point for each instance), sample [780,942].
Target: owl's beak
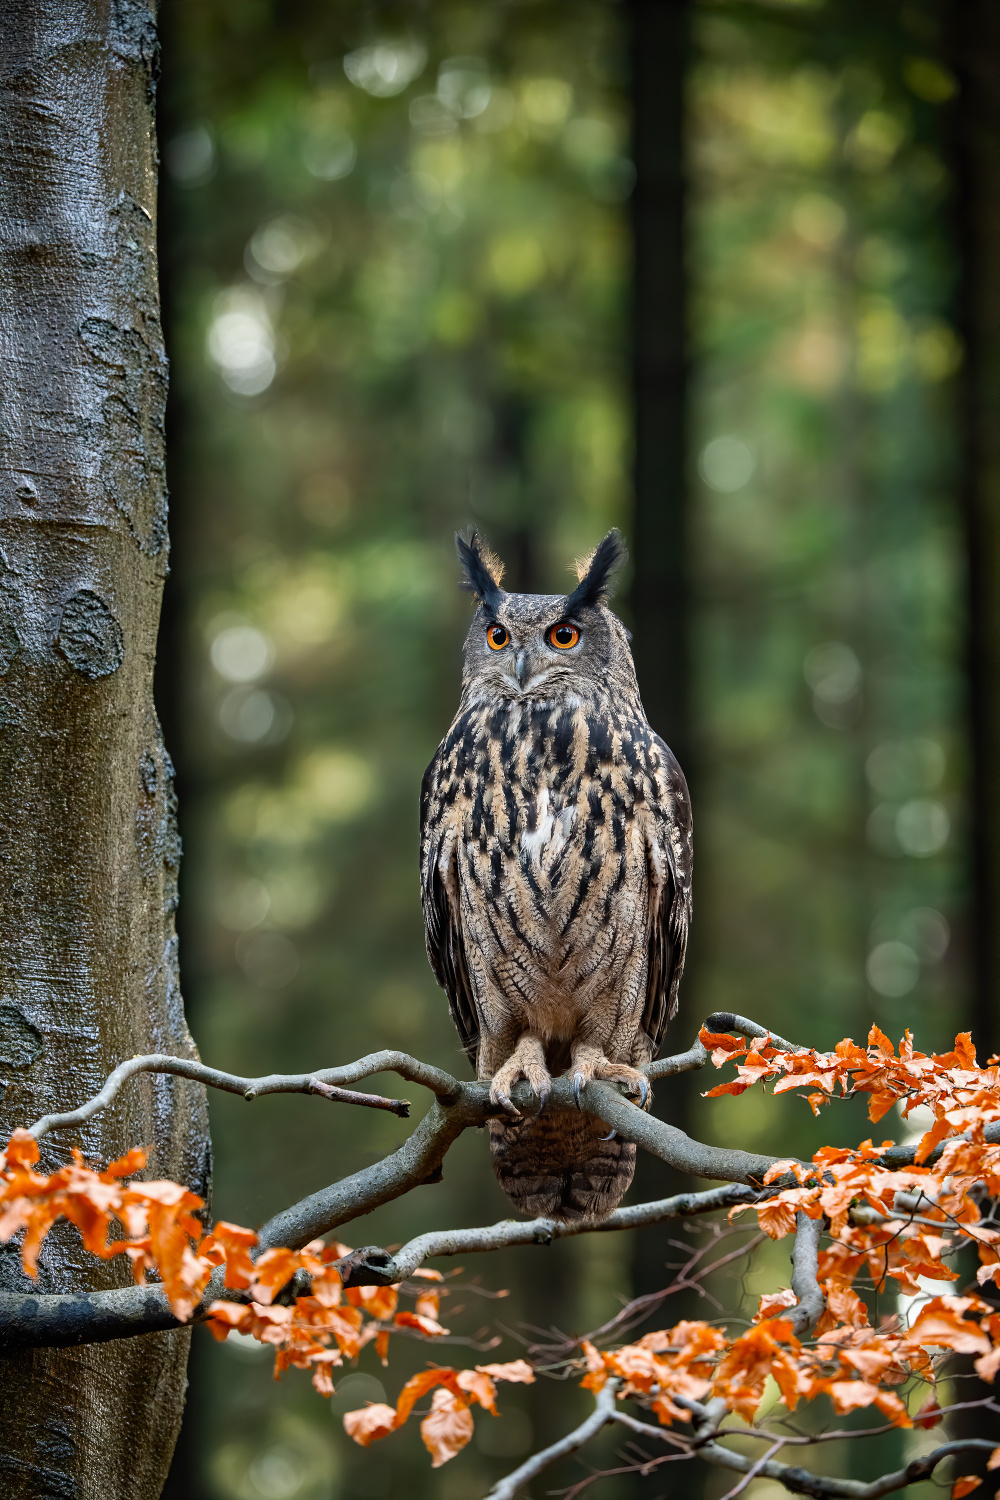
[522,668]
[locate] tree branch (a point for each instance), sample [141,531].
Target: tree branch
[803,1482]
[805,1267]
[697,1054]
[796,1480]
[372,1266]
[322,1083]
[30,1320]
[604,1412]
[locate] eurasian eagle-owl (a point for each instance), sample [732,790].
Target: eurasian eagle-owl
[555,874]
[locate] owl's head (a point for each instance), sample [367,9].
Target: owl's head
[545,646]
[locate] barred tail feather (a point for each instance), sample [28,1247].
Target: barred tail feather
[558,1167]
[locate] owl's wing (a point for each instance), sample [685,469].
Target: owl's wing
[439,894]
[670,855]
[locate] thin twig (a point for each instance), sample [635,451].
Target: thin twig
[821,1487]
[321,1083]
[640,1308]
[753,1471]
[604,1408]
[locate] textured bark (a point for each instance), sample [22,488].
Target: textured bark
[88,844]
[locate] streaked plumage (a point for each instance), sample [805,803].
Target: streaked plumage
[556,875]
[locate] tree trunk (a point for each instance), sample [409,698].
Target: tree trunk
[975,56]
[88,843]
[659,597]
[976,37]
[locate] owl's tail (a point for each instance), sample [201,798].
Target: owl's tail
[558,1167]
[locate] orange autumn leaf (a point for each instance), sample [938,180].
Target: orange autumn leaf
[447,1427]
[479,1387]
[773,1304]
[428,1305]
[986,1365]
[881,1042]
[721,1045]
[376,1301]
[596,1377]
[776,1218]
[965,1486]
[427,1326]
[735,1086]
[517,1371]
[223,1317]
[940,1324]
[993,1462]
[370,1423]
[418,1385]
[273,1270]
[929,1414]
[234,1245]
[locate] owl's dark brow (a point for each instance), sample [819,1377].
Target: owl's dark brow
[570,616]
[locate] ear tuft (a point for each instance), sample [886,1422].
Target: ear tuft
[594,572]
[483,570]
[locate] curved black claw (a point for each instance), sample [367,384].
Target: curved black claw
[643,1093]
[543,1097]
[578,1082]
[609,1137]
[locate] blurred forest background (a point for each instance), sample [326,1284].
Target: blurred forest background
[412,280]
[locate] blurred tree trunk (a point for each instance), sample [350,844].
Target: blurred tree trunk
[659,530]
[975,47]
[977,55]
[659,598]
[88,841]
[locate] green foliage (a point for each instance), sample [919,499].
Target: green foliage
[396,310]
[828,543]
[397,303]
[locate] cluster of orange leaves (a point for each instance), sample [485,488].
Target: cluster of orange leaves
[888,1223]
[316,1332]
[884,1222]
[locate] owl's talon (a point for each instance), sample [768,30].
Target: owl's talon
[643,1093]
[609,1137]
[578,1082]
[543,1096]
[506,1103]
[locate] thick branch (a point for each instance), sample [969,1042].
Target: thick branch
[58,1321]
[805,1267]
[416,1162]
[665,1141]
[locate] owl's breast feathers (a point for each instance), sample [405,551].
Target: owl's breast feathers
[556,868]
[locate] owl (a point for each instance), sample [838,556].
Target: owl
[555,861]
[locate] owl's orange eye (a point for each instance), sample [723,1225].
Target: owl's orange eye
[564,635]
[496,637]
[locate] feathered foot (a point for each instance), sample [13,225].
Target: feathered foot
[589,1062]
[526,1061]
